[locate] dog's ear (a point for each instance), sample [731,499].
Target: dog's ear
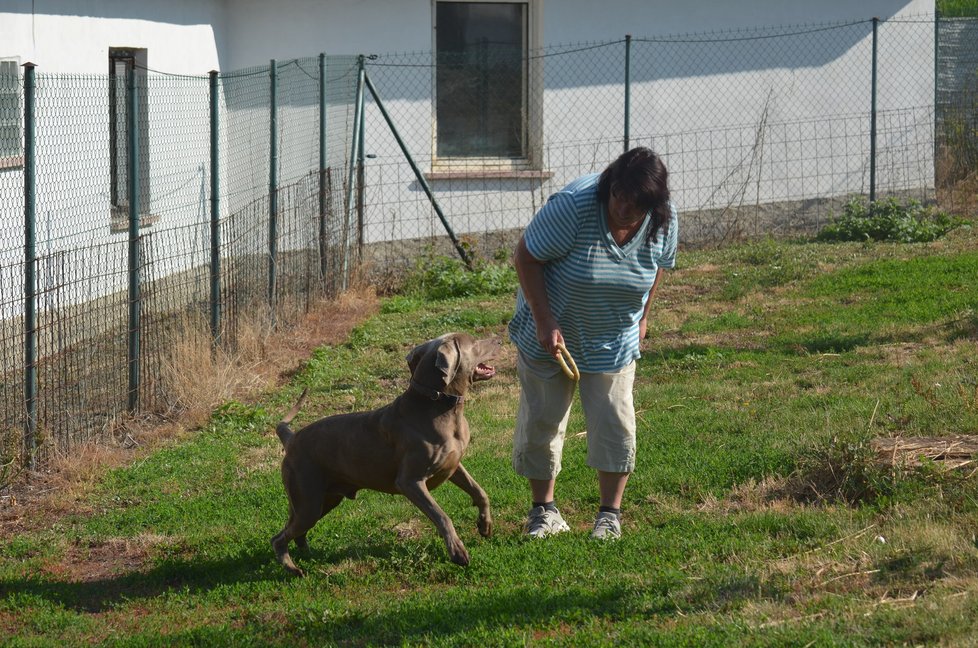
[447,360]
[417,353]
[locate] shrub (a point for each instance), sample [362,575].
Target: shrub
[442,277]
[888,220]
[842,469]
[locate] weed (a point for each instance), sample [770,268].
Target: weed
[888,220]
[844,469]
[955,8]
[14,460]
[7,471]
[443,277]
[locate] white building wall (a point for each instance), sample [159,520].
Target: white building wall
[74,36]
[685,110]
[258,30]
[69,42]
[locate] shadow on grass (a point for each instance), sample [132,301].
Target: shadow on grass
[100,594]
[183,575]
[696,355]
[543,608]
[478,609]
[834,343]
[546,610]
[478,616]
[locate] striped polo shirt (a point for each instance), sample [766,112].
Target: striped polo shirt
[597,290]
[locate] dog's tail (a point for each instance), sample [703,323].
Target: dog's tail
[283,430]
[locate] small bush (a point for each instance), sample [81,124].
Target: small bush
[888,220]
[443,277]
[842,469]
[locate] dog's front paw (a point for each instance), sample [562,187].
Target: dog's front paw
[458,553]
[485,526]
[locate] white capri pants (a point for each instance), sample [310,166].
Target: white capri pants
[545,403]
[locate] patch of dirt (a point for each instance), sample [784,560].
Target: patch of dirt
[98,561]
[769,494]
[408,530]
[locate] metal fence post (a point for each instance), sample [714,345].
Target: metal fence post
[215,212]
[132,163]
[322,169]
[30,269]
[354,150]
[872,123]
[628,88]
[937,74]
[361,180]
[272,186]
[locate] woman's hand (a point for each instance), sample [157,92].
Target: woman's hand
[549,336]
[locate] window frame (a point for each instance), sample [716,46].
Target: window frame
[14,158]
[118,159]
[530,162]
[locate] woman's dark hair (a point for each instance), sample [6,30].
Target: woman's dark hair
[639,177]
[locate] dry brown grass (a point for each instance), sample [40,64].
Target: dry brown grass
[773,493]
[197,378]
[194,381]
[957,190]
[954,451]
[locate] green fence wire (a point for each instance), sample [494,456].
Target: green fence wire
[125,239]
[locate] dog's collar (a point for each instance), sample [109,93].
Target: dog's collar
[436,395]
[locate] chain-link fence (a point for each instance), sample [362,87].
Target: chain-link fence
[146,209]
[957,105]
[765,131]
[140,209]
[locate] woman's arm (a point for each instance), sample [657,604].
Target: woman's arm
[644,322]
[530,273]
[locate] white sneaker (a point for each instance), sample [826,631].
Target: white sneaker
[543,522]
[607,526]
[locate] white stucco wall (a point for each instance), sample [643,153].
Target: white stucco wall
[74,36]
[690,101]
[258,30]
[69,42]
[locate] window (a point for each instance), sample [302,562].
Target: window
[121,63]
[11,117]
[485,114]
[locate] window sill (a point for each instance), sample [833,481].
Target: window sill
[11,162]
[489,174]
[120,220]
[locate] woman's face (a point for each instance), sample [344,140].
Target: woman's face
[622,213]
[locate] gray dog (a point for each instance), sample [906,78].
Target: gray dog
[410,446]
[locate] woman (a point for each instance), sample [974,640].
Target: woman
[588,264]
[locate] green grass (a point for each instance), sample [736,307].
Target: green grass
[758,513]
[957,8]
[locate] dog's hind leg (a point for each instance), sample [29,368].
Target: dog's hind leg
[330,501]
[480,500]
[280,543]
[303,515]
